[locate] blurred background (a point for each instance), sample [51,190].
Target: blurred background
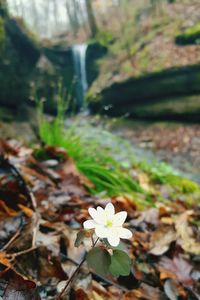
[134,61]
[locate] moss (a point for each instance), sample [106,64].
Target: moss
[143,59]
[189,36]
[127,67]
[104,38]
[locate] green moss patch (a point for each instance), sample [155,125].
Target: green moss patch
[189,36]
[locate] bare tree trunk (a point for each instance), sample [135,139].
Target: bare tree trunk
[16,7]
[34,13]
[72,8]
[91,18]
[82,19]
[47,17]
[23,10]
[55,10]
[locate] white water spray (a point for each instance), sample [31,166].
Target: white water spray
[79,57]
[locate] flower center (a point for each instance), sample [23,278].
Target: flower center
[109,223]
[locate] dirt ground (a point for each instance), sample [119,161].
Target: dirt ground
[175,143]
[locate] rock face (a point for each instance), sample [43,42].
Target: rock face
[136,96]
[53,75]
[18,56]
[56,67]
[94,52]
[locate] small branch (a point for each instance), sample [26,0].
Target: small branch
[92,239]
[74,274]
[103,279]
[14,255]
[17,233]
[70,279]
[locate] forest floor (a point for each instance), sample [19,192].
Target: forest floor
[175,143]
[44,202]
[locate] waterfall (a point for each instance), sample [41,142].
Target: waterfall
[81,85]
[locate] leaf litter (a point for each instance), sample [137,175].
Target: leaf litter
[43,203]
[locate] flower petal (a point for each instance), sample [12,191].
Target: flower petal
[110,210]
[101,231]
[113,240]
[93,213]
[89,224]
[98,214]
[100,210]
[101,215]
[125,233]
[119,218]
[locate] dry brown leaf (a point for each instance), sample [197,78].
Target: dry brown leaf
[4,260]
[9,211]
[144,292]
[69,168]
[18,288]
[50,241]
[80,294]
[150,216]
[161,240]
[178,267]
[26,210]
[185,234]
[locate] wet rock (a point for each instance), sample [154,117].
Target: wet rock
[18,56]
[149,96]
[94,52]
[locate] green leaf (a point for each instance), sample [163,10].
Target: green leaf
[99,259]
[79,238]
[120,263]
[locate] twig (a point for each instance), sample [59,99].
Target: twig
[92,239]
[103,279]
[14,255]
[73,275]
[70,279]
[17,233]
[35,230]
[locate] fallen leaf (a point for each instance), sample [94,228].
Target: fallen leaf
[177,267]
[144,292]
[171,290]
[15,287]
[9,211]
[4,260]
[184,231]
[161,240]
[51,241]
[26,210]
[150,216]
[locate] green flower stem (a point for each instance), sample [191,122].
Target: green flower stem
[69,281]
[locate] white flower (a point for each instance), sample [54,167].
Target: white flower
[107,224]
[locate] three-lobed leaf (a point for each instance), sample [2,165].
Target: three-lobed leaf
[120,264]
[99,259]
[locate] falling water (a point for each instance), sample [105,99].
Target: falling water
[79,58]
